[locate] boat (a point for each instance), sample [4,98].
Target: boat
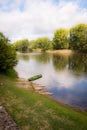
[35,77]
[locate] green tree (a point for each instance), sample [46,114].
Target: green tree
[43,43]
[21,45]
[7,54]
[32,45]
[78,37]
[60,39]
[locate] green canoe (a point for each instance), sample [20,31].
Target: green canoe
[35,77]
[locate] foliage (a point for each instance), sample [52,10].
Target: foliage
[75,38]
[51,45]
[7,54]
[43,43]
[32,45]
[21,45]
[11,73]
[60,39]
[78,37]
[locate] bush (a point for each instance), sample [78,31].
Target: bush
[7,54]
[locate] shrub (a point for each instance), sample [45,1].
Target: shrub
[7,54]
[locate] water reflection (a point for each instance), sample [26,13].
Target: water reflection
[78,63]
[43,58]
[64,76]
[24,57]
[75,96]
[60,62]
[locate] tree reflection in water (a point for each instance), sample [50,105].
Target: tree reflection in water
[60,62]
[78,63]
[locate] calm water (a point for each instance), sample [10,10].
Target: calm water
[64,76]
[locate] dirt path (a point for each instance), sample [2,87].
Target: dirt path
[6,122]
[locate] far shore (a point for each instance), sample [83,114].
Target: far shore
[61,52]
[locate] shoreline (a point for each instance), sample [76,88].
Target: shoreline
[30,85]
[21,82]
[63,52]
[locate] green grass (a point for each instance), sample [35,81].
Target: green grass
[32,111]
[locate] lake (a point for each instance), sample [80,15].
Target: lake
[63,75]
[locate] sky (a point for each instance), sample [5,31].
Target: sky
[31,19]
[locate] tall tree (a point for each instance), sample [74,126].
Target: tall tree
[78,37]
[60,39]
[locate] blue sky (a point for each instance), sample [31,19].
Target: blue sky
[38,18]
[5,5]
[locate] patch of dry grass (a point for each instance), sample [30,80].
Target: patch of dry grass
[61,52]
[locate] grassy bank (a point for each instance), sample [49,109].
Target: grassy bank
[33,111]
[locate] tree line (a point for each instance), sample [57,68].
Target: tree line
[75,38]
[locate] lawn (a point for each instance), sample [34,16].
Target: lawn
[32,111]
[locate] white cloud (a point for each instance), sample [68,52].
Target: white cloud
[40,18]
[3,1]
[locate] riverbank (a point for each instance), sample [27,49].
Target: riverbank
[34,111]
[61,52]
[23,83]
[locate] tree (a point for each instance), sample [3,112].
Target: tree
[32,45]
[60,39]
[43,43]
[78,37]
[21,45]
[7,54]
